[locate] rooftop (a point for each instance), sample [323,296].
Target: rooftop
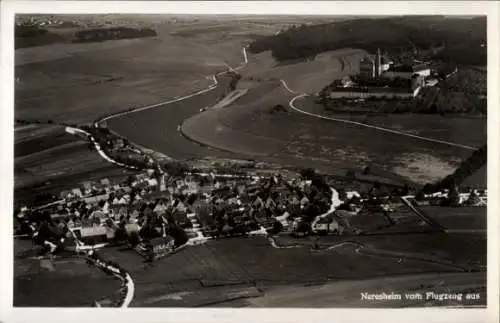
[372,89]
[409,68]
[371,58]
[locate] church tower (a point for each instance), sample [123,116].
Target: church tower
[378,63]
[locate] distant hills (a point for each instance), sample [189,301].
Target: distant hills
[460,40]
[32,34]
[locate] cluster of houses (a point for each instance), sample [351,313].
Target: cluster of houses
[199,204]
[474,197]
[44,21]
[150,206]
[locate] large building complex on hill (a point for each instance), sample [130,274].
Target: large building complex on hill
[379,77]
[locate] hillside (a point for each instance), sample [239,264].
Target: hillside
[450,39]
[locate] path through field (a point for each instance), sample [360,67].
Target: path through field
[401,133]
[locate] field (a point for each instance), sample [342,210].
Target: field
[48,160]
[162,122]
[211,273]
[64,282]
[347,293]
[458,218]
[332,146]
[79,83]
[82,87]
[250,127]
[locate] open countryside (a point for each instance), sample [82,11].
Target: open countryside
[165,161]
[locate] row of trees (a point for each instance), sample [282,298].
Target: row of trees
[430,101]
[101,34]
[469,166]
[30,34]
[29,29]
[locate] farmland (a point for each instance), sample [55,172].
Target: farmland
[43,283]
[329,146]
[175,70]
[77,83]
[47,160]
[332,146]
[208,274]
[118,75]
[448,128]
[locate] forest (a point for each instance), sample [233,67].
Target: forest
[31,34]
[457,40]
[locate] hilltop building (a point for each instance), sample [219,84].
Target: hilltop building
[374,67]
[381,88]
[367,68]
[380,78]
[407,71]
[380,92]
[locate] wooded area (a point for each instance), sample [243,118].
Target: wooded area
[461,41]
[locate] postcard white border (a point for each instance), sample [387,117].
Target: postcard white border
[9,8]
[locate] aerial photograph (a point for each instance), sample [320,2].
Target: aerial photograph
[260,161]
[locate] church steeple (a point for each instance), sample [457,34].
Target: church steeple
[378,63]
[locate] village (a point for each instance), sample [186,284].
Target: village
[156,214]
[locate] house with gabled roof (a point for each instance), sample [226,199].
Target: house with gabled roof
[105,182]
[270,203]
[77,192]
[326,225]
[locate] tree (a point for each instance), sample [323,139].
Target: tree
[405,190]
[420,195]
[176,168]
[342,193]
[453,197]
[130,180]
[351,175]
[179,235]
[308,173]
[276,228]
[303,227]
[473,198]
[278,108]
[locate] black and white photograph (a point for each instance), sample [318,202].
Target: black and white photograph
[166,160]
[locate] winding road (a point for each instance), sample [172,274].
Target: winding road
[211,87]
[166,118]
[396,132]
